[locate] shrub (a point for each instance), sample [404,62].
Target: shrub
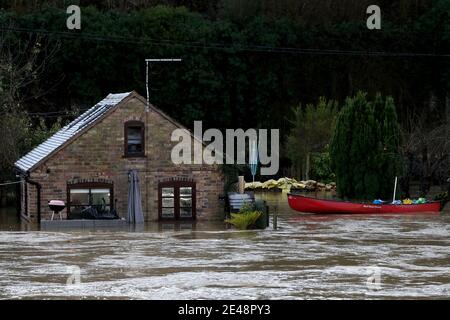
[246,218]
[321,167]
[244,221]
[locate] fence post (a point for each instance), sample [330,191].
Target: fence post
[275,218]
[241,184]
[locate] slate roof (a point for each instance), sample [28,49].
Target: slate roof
[45,149]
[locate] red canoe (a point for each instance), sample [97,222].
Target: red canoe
[322,206]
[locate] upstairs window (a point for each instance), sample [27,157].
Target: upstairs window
[134,139]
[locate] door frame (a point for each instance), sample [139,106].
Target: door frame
[176,185]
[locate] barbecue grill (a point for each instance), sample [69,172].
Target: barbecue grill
[56,206]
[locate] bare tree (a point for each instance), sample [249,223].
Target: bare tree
[427,153]
[23,62]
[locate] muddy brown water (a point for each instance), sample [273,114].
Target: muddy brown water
[308,257]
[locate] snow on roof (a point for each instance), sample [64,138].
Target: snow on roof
[46,148]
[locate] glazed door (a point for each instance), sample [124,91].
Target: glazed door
[177,200]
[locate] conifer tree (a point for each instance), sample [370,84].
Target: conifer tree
[364,149]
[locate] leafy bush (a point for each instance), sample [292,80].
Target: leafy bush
[246,218]
[321,167]
[443,196]
[244,221]
[311,131]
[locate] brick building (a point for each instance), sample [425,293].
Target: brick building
[86,163]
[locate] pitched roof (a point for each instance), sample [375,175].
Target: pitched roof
[45,149]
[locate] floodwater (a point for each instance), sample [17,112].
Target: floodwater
[308,257]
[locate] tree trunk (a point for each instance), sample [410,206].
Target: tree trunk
[308,164]
[350,84]
[2,197]
[405,186]
[424,177]
[298,170]
[447,135]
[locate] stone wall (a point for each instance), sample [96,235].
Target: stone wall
[98,154]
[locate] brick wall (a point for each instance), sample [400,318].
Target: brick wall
[99,154]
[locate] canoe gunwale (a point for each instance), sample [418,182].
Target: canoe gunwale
[307,204]
[364,203]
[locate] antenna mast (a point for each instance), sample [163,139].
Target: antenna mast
[148,61]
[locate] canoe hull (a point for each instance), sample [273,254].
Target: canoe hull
[320,206]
